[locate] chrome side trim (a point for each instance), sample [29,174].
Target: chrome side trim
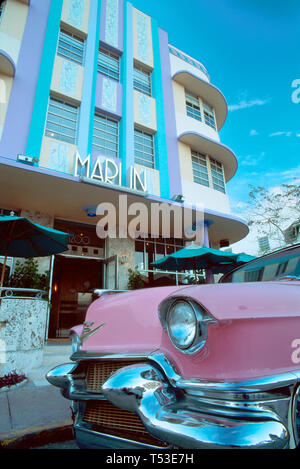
[91,356]
[199,387]
[105,292]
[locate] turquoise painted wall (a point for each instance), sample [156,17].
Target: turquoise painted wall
[87,108]
[127,122]
[161,159]
[39,113]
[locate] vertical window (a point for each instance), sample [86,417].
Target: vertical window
[193,106]
[62,121]
[200,170]
[263,243]
[70,47]
[106,136]
[2,8]
[217,175]
[143,148]
[142,80]
[109,64]
[209,116]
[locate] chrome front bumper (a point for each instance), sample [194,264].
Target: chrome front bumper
[210,415]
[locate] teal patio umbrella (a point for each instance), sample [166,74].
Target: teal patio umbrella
[20,237]
[195,257]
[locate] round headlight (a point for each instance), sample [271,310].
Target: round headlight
[76,343]
[182,324]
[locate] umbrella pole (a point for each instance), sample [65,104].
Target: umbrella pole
[196,277]
[196,280]
[3,269]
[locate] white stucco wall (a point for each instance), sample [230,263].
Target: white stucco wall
[210,198]
[22,333]
[185,124]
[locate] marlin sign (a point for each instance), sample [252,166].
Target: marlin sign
[108,171]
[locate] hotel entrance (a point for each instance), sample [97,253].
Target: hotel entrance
[76,274]
[74,281]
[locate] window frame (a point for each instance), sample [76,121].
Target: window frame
[144,136]
[112,73]
[217,176]
[192,107]
[58,135]
[201,111]
[203,158]
[75,38]
[2,9]
[209,115]
[104,149]
[140,85]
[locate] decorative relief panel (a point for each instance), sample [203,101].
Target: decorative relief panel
[143,47]
[145,109]
[150,178]
[68,78]
[109,95]
[76,13]
[59,157]
[112,22]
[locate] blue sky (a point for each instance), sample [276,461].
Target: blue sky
[251,49]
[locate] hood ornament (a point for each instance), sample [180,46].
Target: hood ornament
[87,330]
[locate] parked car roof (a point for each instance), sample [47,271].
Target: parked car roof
[283,262]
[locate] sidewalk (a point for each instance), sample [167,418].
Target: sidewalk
[36,411]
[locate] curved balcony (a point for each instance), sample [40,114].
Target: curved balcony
[205,90]
[216,150]
[224,227]
[7,65]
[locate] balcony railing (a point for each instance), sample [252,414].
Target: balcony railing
[189,60]
[20,293]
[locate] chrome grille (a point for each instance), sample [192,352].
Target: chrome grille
[111,420]
[99,372]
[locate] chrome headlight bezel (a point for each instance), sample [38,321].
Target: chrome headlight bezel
[76,342]
[170,327]
[203,319]
[296,415]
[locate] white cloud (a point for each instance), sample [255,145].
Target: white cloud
[252,160]
[291,176]
[285,134]
[244,104]
[253,132]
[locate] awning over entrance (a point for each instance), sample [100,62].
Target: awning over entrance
[65,196]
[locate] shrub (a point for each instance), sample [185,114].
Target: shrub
[11,379]
[135,280]
[26,275]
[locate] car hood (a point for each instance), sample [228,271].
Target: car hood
[231,301]
[132,322]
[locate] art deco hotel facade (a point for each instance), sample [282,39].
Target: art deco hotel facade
[94,103]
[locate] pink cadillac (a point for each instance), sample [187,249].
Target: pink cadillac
[210,366]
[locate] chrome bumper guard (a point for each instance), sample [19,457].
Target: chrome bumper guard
[187,418]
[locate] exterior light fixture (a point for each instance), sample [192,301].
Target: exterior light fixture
[178,198]
[90,210]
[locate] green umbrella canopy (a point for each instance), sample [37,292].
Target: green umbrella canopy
[20,237]
[195,257]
